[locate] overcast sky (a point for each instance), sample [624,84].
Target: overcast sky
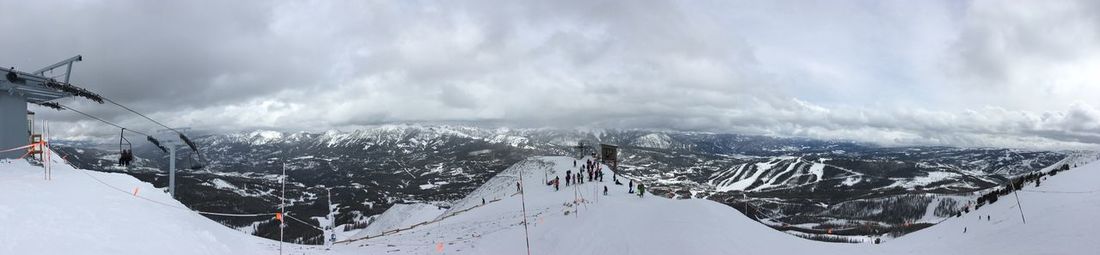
[963,73]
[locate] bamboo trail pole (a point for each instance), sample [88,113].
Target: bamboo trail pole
[282,208]
[1018,206]
[523,203]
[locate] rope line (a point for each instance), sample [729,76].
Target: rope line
[1061,192]
[394,231]
[18,148]
[444,217]
[85,172]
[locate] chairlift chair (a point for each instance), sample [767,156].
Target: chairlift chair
[121,150]
[122,139]
[194,164]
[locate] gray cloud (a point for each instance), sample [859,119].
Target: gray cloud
[956,73]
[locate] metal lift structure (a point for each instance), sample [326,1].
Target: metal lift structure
[17,88]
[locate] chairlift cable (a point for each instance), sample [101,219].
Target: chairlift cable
[102,120]
[181,135]
[142,115]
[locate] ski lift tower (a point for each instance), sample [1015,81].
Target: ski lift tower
[170,139]
[609,154]
[583,148]
[17,88]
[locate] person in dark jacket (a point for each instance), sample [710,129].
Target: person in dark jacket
[568,177]
[127,157]
[641,189]
[630,187]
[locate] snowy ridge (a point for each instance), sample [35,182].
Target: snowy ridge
[410,134]
[500,186]
[778,173]
[654,140]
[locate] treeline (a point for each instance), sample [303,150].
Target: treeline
[1014,185]
[827,238]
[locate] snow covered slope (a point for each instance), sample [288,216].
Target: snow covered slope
[75,214]
[400,216]
[621,223]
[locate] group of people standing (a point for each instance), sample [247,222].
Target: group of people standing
[591,171]
[640,187]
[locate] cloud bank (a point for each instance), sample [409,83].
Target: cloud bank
[975,73]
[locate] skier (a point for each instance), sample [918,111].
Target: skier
[630,187]
[604,190]
[568,177]
[556,180]
[574,163]
[483,201]
[641,189]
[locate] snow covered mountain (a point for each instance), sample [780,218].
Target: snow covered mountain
[52,217]
[581,220]
[792,184]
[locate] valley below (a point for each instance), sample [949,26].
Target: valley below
[823,190]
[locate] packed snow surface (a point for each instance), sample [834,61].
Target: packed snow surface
[73,214]
[400,216]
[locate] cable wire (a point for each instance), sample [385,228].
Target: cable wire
[142,115]
[303,222]
[102,120]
